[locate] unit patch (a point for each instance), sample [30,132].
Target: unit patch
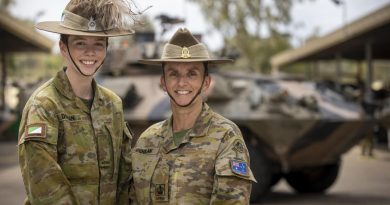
[239,167]
[36,130]
[238,146]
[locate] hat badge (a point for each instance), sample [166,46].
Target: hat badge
[91,24]
[185,53]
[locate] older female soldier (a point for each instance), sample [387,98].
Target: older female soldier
[196,156]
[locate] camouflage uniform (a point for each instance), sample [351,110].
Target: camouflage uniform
[70,154]
[198,171]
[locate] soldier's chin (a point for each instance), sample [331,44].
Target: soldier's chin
[89,71]
[183,103]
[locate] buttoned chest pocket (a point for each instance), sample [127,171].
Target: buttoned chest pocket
[144,163]
[194,171]
[77,149]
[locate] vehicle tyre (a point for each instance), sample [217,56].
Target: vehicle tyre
[261,169]
[275,179]
[313,179]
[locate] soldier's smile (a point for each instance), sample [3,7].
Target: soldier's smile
[183,92]
[88,62]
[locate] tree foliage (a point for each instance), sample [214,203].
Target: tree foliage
[252,27]
[4,4]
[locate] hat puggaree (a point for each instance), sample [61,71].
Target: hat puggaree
[184,47]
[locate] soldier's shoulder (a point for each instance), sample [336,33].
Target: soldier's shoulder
[109,94]
[43,95]
[153,131]
[151,137]
[218,121]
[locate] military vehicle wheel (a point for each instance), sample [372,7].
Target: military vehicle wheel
[313,179]
[275,179]
[261,169]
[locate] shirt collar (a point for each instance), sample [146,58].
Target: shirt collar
[200,128]
[62,84]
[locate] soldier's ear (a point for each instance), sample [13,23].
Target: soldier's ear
[162,83]
[207,81]
[62,48]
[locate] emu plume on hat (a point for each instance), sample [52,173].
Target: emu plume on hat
[184,47]
[94,18]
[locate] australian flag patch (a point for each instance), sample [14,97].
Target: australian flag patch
[239,167]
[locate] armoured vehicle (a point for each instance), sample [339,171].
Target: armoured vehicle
[293,129]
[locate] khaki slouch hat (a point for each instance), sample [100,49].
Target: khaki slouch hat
[102,18]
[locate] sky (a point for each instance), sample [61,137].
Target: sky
[308,16]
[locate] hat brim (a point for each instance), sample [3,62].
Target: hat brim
[55,27]
[160,61]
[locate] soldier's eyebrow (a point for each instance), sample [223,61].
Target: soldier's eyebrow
[169,69]
[79,38]
[84,38]
[195,68]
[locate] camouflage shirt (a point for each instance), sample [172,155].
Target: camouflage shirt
[72,154]
[210,166]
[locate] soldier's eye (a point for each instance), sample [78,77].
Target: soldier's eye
[192,74]
[172,74]
[79,43]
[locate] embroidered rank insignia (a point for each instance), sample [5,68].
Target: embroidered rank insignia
[160,189]
[36,130]
[239,167]
[161,192]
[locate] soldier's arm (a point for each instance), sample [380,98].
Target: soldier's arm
[44,181]
[233,177]
[230,190]
[125,171]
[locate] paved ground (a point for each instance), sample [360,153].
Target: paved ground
[362,181]
[11,185]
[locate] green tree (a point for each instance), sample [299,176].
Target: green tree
[4,4]
[252,27]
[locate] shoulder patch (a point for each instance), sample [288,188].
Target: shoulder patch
[239,167]
[238,146]
[36,130]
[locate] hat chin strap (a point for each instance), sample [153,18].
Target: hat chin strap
[192,100]
[74,63]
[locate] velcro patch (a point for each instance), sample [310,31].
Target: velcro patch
[239,167]
[36,130]
[238,146]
